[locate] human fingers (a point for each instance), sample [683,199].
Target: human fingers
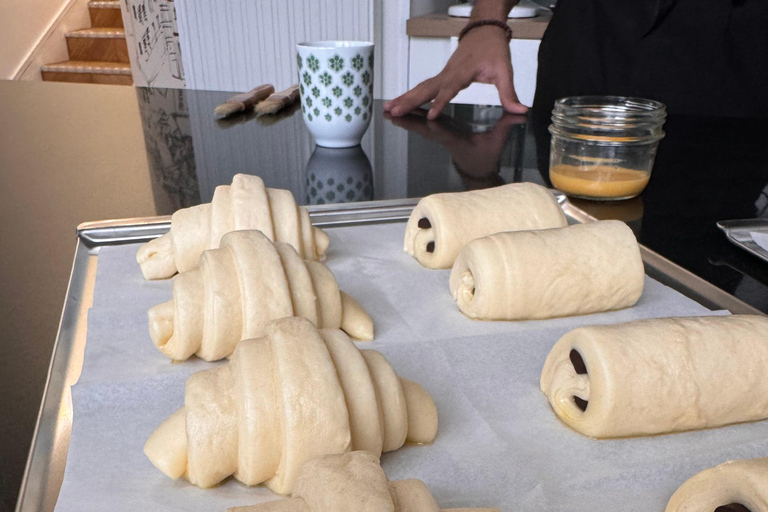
[422,93]
[505,85]
[441,100]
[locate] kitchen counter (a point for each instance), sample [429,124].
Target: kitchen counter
[442,25]
[71,153]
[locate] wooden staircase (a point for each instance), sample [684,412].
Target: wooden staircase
[99,54]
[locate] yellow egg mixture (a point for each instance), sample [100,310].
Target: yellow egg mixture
[598,180]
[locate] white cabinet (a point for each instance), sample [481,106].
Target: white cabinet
[428,55]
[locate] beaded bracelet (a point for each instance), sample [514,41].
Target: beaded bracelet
[481,23]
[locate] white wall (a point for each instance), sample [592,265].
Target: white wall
[391,48]
[23,25]
[53,45]
[235,45]
[422,7]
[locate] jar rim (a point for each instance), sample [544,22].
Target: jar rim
[614,107]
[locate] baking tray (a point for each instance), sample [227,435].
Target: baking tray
[48,454]
[739,233]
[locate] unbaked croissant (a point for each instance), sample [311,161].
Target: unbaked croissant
[441,224]
[659,375]
[239,288]
[246,204]
[731,486]
[293,395]
[353,482]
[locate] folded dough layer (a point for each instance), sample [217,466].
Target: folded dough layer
[353,482]
[246,204]
[441,224]
[738,482]
[660,375]
[576,270]
[295,394]
[241,287]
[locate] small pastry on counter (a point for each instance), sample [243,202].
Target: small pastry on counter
[524,275]
[353,482]
[242,286]
[243,102]
[293,395]
[738,485]
[660,375]
[246,204]
[441,224]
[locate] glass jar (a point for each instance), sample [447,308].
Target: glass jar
[603,147]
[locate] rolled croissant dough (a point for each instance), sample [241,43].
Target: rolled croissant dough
[575,270]
[295,394]
[242,286]
[246,204]
[456,218]
[660,375]
[741,482]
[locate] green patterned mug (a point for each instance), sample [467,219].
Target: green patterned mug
[336,79]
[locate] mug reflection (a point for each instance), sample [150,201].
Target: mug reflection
[341,175]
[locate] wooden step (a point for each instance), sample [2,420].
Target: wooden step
[117,73]
[105,13]
[98,44]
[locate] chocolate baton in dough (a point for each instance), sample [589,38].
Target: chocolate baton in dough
[522,275]
[660,375]
[441,224]
[735,485]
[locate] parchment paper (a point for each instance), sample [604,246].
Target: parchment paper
[498,444]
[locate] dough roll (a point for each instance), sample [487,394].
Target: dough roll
[576,270]
[295,394]
[246,204]
[441,224]
[734,483]
[353,482]
[241,287]
[660,375]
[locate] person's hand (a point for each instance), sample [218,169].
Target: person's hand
[482,56]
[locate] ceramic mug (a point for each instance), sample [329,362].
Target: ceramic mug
[336,84]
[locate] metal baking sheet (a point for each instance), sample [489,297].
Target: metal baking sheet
[739,233]
[47,458]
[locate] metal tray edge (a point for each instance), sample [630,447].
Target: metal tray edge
[729,226]
[120,231]
[131,230]
[50,440]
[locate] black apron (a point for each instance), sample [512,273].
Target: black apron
[699,57]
